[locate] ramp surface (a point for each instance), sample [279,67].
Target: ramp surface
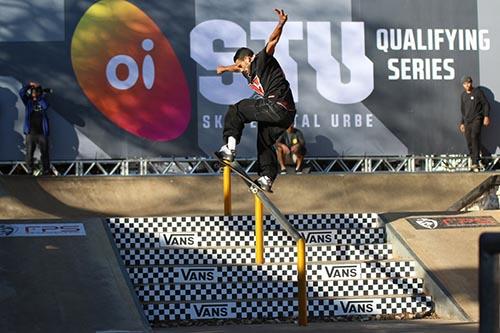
[451,255]
[64,283]
[75,197]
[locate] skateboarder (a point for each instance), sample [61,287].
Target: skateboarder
[274,112]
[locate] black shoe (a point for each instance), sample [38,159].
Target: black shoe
[298,171]
[283,171]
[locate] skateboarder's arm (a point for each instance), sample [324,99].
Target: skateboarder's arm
[276,34]
[230,68]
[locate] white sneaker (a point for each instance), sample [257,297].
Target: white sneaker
[265,183]
[226,154]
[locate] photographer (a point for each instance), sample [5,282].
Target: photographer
[36,124]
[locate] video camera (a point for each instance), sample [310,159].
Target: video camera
[38,90]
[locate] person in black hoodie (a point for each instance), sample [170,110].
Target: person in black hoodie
[36,124]
[475,114]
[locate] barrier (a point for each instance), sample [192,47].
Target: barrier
[489,281]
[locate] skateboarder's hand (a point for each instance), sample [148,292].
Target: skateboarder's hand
[282,17]
[486,121]
[462,128]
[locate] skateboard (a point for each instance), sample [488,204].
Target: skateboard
[238,169]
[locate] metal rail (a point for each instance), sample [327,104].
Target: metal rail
[209,166]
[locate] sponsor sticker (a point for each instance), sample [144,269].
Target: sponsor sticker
[42,230]
[341,272]
[179,240]
[444,222]
[196,274]
[212,310]
[351,307]
[318,236]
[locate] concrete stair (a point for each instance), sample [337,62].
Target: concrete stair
[201,268]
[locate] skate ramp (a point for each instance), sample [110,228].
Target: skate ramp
[64,283]
[78,197]
[448,258]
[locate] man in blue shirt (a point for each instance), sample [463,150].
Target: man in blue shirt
[36,125]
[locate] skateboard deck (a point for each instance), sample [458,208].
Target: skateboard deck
[238,169]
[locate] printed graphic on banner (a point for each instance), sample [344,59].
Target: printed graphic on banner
[42,230]
[213,310]
[430,223]
[128,69]
[318,236]
[354,307]
[196,274]
[179,240]
[340,272]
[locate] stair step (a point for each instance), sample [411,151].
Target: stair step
[195,292]
[149,238]
[208,256]
[246,222]
[285,272]
[287,308]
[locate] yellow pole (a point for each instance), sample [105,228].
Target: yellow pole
[301,277]
[227,190]
[259,231]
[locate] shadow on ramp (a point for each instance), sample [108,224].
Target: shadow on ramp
[64,283]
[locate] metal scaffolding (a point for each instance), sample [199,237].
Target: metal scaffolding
[208,166]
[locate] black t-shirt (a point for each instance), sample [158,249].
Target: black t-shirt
[474,105]
[268,80]
[36,119]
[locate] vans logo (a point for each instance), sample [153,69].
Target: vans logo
[196,274]
[323,236]
[340,272]
[209,311]
[356,307]
[178,240]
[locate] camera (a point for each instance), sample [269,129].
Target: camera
[38,90]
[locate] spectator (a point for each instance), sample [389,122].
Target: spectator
[36,124]
[291,146]
[475,113]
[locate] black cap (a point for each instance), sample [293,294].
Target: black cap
[465,78]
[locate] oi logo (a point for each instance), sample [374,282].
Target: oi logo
[127,68]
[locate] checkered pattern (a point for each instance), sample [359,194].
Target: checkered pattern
[318,308]
[248,273]
[194,292]
[210,256]
[147,237]
[212,224]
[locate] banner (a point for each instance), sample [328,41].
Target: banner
[137,78]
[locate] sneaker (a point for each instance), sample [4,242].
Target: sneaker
[298,171]
[265,183]
[283,171]
[226,154]
[474,168]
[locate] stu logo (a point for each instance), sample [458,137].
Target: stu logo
[178,240]
[208,311]
[329,82]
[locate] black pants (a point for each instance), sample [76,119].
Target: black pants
[40,140]
[473,137]
[272,121]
